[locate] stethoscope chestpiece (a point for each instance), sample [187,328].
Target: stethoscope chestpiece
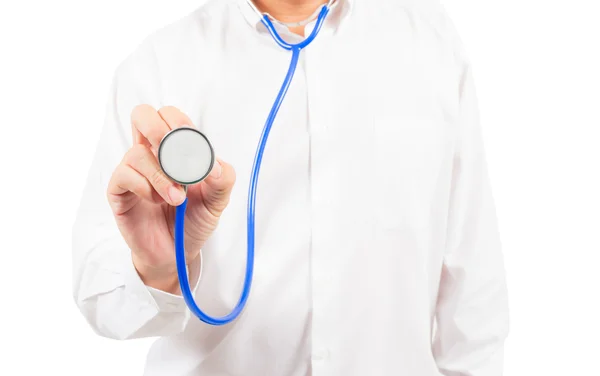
[186,155]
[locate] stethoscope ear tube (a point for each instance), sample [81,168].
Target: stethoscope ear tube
[181,209]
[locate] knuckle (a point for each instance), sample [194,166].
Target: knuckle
[218,200]
[158,179]
[137,154]
[117,206]
[115,178]
[214,208]
[139,188]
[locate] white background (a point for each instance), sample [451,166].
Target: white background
[537,69]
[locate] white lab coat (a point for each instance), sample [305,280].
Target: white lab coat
[377,248]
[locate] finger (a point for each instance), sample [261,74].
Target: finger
[126,179]
[138,137]
[174,117]
[217,187]
[141,159]
[148,125]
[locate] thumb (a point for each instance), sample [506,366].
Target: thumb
[217,186]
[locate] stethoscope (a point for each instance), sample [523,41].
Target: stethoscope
[186,156]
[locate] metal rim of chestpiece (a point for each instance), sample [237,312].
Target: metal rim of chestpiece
[210,146]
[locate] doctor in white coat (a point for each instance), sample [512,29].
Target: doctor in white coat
[377,247]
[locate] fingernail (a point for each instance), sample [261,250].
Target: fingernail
[176,195]
[217,170]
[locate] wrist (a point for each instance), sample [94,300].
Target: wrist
[163,279]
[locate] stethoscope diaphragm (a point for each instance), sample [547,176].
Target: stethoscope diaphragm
[186,155]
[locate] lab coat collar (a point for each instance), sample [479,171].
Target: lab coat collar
[340,11]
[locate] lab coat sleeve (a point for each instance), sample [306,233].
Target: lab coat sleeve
[472,309]
[106,287]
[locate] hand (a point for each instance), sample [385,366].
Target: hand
[143,200]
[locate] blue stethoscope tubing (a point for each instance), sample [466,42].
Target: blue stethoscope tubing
[181,209]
